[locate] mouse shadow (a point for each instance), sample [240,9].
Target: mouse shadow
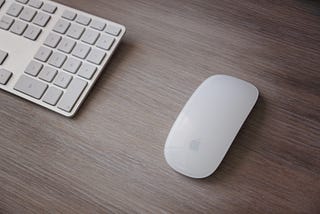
[232,160]
[123,51]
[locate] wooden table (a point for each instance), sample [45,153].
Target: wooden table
[109,157]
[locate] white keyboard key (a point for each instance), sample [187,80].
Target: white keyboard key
[81,51]
[66,45]
[4,76]
[61,26]
[52,96]
[62,79]
[30,86]
[96,56]
[67,14]
[87,71]
[6,22]
[43,54]
[84,20]
[113,30]
[33,68]
[36,3]
[98,25]
[32,32]
[72,65]
[3,56]
[75,31]
[18,27]
[90,36]
[22,1]
[27,14]
[41,19]
[105,42]
[49,8]
[57,59]
[14,10]
[52,40]
[47,73]
[72,94]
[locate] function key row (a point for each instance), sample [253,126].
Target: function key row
[93,23]
[49,8]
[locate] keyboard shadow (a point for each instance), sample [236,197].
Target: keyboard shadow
[124,49]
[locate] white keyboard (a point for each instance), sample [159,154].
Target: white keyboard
[52,54]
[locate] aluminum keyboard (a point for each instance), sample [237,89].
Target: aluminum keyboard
[52,54]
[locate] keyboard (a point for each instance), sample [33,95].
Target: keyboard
[51,54]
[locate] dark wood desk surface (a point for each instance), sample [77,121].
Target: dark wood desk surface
[109,158]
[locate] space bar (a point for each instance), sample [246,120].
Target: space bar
[73,93]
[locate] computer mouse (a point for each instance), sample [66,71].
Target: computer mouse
[207,125]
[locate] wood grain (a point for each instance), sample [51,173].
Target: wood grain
[109,158]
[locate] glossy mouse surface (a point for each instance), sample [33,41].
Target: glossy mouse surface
[207,125]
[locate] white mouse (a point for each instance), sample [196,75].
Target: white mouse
[207,125]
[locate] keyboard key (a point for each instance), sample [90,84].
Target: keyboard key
[33,68]
[72,94]
[75,31]
[22,1]
[66,45]
[62,79]
[81,51]
[98,25]
[105,42]
[71,49]
[32,32]
[96,56]
[30,86]
[61,26]
[18,27]
[14,10]
[87,71]
[27,14]
[41,19]
[6,22]
[4,76]
[67,14]
[52,40]
[52,96]
[84,20]
[47,73]
[90,36]
[49,8]
[35,3]
[57,59]
[43,54]
[113,30]
[2,3]
[3,56]
[72,65]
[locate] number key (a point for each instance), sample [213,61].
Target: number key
[62,80]
[14,10]
[41,19]
[96,56]
[61,26]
